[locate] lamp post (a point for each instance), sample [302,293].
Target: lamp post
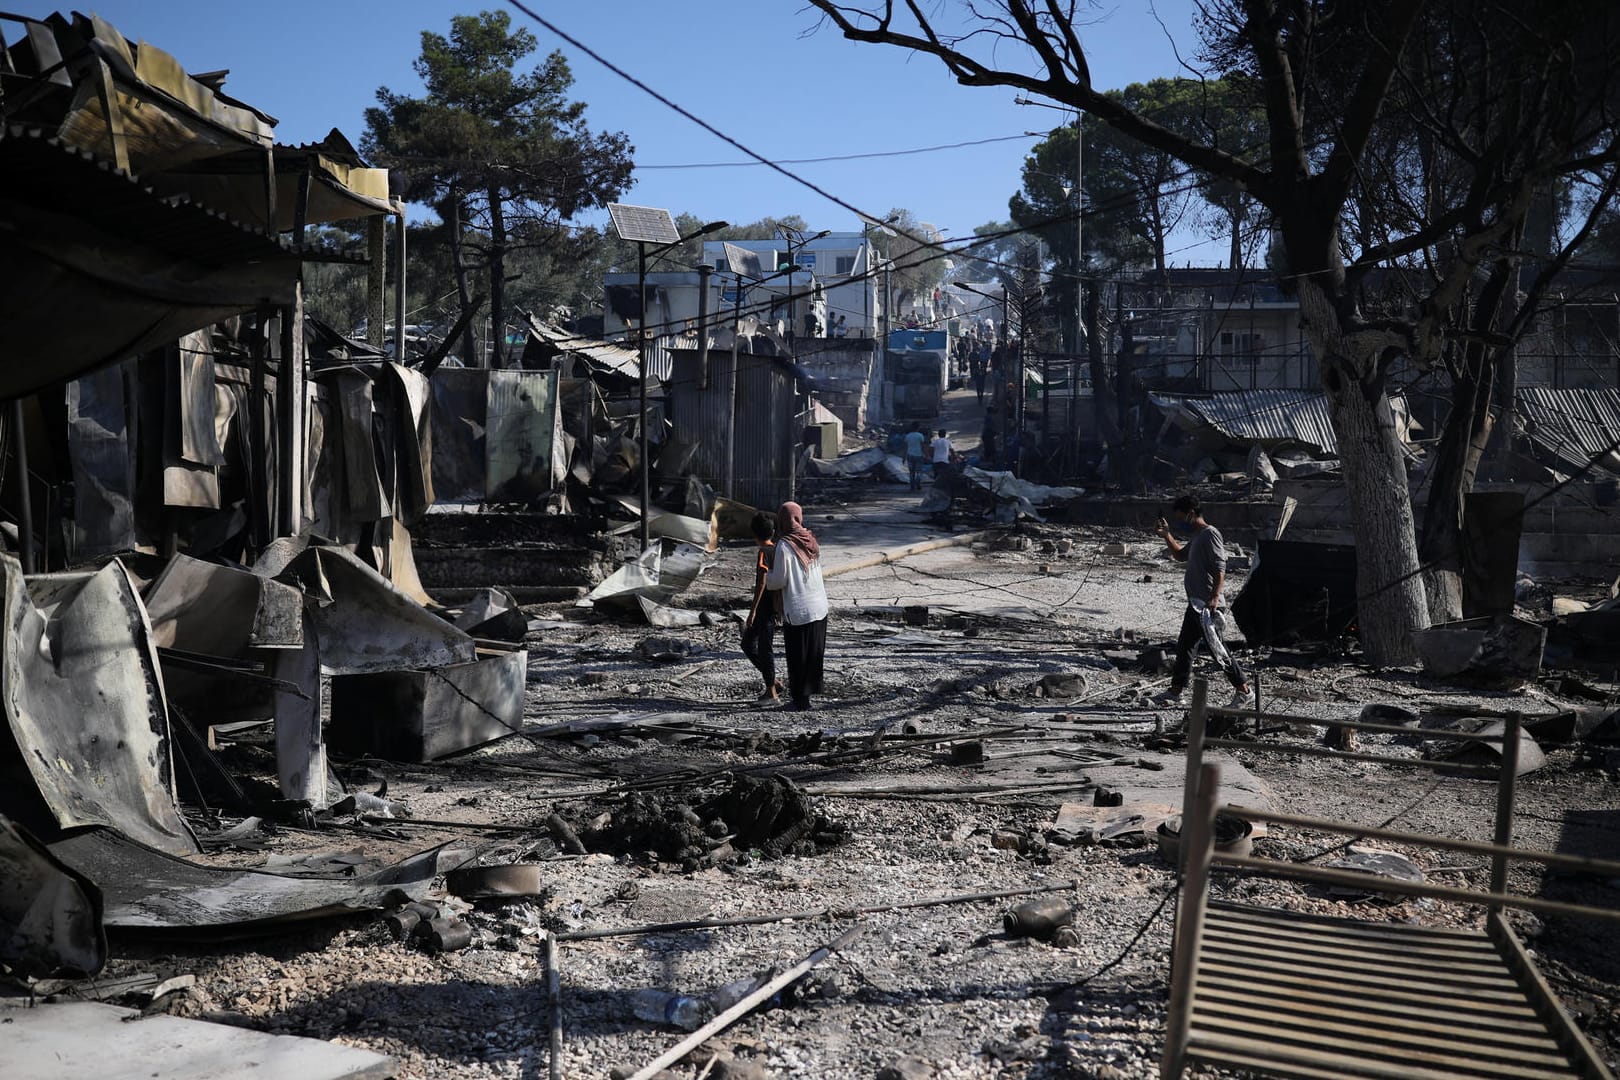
[641,363]
[791,234]
[731,376]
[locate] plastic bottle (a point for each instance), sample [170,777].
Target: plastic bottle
[676,1010]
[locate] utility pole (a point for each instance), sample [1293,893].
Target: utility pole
[704,270]
[1079,226]
[731,392]
[883,343]
[641,364]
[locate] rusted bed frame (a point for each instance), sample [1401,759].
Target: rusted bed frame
[1271,991]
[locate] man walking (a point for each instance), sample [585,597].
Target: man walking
[915,439]
[1204,552]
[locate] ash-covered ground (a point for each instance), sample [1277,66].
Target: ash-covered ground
[692,801]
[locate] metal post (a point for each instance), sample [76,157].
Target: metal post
[792,350]
[290,416]
[1506,786]
[866,286]
[25,506]
[641,361]
[1079,224]
[399,287]
[883,342]
[731,394]
[704,270]
[261,513]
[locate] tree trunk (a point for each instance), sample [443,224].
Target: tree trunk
[1390,603]
[1463,440]
[1456,460]
[1101,400]
[469,338]
[497,280]
[1390,599]
[1236,252]
[1496,454]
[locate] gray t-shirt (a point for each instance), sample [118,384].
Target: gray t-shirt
[1206,558]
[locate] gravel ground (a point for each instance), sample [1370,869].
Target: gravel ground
[941,984]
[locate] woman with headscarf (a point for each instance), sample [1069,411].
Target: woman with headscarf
[796,572]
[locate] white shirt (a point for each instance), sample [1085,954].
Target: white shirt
[942,450]
[804,599]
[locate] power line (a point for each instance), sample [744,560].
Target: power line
[847,157]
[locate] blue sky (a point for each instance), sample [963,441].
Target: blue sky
[756,69]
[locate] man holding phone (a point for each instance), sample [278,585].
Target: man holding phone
[1204,552]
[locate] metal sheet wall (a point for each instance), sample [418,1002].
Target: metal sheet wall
[766,430]
[522,436]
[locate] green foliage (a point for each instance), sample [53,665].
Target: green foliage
[919,268]
[991,258]
[505,153]
[335,293]
[482,128]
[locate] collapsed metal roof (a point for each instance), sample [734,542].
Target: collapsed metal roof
[604,356]
[1267,417]
[1575,426]
[142,203]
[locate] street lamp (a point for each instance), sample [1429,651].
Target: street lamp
[791,234]
[648,225]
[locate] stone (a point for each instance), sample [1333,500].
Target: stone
[1116,548]
[906,1068]
[1061,685]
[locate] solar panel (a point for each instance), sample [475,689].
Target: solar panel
[741,261]
[647,224]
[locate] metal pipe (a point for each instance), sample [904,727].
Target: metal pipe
[290,417]
[641,363]
[731,393]
[704,270]
[1079,223]
[1505,788]
[399,287]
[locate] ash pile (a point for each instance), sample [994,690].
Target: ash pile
[757,816]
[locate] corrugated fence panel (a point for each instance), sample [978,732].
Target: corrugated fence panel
[764,432]
[699,415]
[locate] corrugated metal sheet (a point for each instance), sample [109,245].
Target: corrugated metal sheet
[1262,416]
[605,355]
[1575,426]
[766,429]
